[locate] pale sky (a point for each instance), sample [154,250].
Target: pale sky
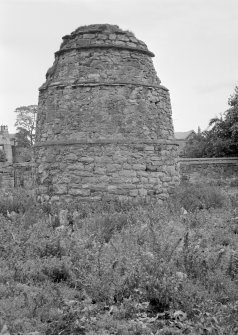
[195,44]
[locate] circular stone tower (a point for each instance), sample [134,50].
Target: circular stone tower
[104,125]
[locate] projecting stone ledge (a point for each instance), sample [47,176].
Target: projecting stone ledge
[75,84]
[106,46]
[106,141]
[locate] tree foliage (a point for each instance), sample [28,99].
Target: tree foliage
[195,146]
[221,140]
[26,123]
[2,156]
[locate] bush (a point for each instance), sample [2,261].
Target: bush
[17,200]
[3,157]
[234,183]
[197,197]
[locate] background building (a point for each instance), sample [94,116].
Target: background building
[183,137]
[7,143]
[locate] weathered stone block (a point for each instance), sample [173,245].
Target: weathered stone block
[76,166]
[88,36]
[165,179]
[60,189]
[71,157]
[99,170]
[102,36]
[134,193]
[149,148]
[139,166]
[87,159]
[113,167]
[98,187]
[79,192]
[142,192]
[127,173]
[112,36]
[112,188]
[142,173]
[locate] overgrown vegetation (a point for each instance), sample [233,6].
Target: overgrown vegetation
[121,268]
[3,157]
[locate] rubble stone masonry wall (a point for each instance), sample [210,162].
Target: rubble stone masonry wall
[130,180]
[104,126]
[222,170]
[16,175]
[6,176]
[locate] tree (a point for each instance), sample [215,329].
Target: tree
[221,140]
[22,138]
[224,133]
[195,146]
[26,124]
[232,116]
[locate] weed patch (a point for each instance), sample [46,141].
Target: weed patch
[122,268]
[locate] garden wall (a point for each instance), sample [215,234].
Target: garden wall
[213,170]
[16,175]
[6,176]
[207,170]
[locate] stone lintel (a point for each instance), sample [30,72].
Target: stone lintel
[105,141]
[106,46]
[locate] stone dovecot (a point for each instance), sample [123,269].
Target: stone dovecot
[104,125]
